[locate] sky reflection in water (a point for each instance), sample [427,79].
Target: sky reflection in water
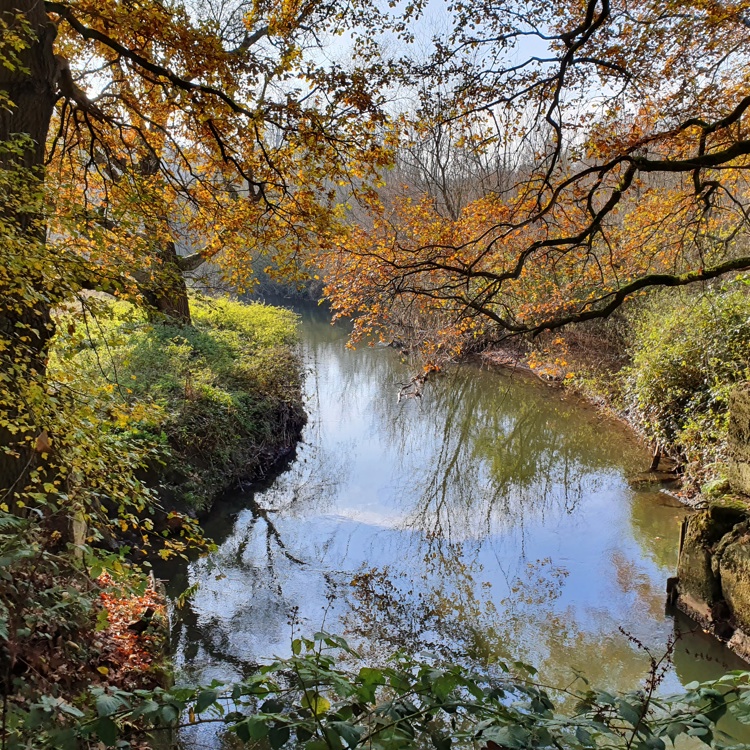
[491,518]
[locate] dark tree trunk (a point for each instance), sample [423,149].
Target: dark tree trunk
[25,302]
[166,291]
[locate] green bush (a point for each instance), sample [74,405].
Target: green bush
[688,351]
[223,397]
[314,701]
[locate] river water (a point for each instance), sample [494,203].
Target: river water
[493,518]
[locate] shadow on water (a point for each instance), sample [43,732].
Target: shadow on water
[491,518]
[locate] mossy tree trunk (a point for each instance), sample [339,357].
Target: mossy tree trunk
[165,292]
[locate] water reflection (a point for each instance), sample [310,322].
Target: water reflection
[490,519]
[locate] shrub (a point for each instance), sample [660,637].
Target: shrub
[688,351]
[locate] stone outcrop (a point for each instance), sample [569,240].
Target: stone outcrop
[738,440]
[713,572]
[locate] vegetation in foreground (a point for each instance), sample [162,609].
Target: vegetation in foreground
[312,700]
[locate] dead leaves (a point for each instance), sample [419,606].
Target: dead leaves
[130,659]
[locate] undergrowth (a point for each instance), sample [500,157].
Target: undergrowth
[668,363]
[132,415]
[221,397]
[688,353]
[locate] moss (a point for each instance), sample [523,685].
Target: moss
[715,489]
[729,508]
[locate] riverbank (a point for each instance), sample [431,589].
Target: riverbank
[152,422]
[665,364]
[219,401]
[679,389]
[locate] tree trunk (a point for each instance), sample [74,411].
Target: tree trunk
[29,84]
[165,291]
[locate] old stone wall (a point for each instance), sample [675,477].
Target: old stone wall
[738,440]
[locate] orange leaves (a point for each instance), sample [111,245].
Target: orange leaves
[128,656]
[209,137]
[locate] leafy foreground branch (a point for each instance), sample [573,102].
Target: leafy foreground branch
[311,701]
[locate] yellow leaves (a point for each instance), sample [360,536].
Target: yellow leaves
[317,703]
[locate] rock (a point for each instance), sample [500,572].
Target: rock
[715,488]
[734,569]
[701,534]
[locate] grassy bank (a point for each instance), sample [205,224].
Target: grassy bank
[219,400]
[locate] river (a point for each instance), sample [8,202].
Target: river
[493,518]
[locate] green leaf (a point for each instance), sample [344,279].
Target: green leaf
[272,706]
[629,712]
[106,705]
[66,708]
[252,728]
[169,713]
[106,731]
[511,736]
[205,699]
[303,734]
[584,737]
[349,733]
[278,736]
[675,729]
[64,739]
[444,685]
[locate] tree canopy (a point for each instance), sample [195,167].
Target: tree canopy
[139,141]
[561,158]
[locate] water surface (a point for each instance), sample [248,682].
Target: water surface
[492,518]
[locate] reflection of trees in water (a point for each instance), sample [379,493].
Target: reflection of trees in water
[481,450]
[241,584]
[655,516]
[501,455]
[480,453]
[448,610]
[445,607]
